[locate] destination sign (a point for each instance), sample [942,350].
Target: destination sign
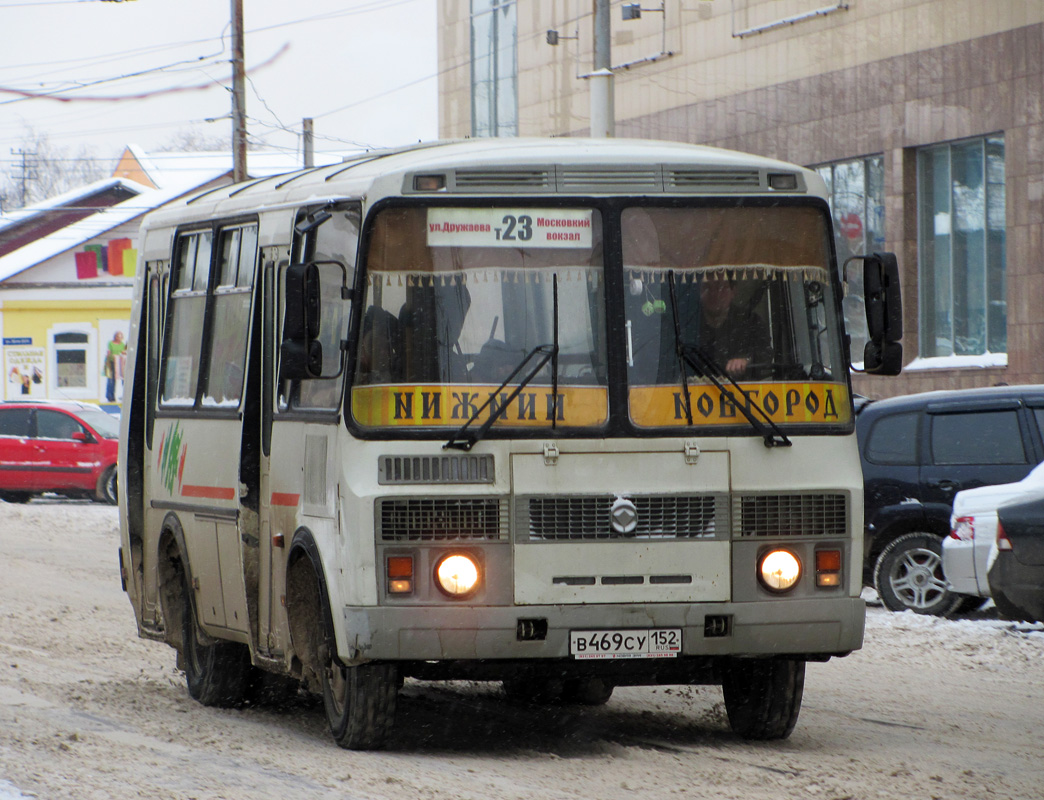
[434,405]
[510,227]
[784,403]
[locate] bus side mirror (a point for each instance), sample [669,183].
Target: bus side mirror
[301,354]
[883,354]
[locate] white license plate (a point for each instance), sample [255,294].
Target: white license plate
[633,643]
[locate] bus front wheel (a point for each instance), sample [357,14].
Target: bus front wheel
[359,701]
[217,673]
[762,696]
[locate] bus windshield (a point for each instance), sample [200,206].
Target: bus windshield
[754,303]
[457,298]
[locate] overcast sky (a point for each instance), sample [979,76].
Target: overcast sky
[364,70]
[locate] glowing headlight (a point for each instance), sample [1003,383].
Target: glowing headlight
[779,570]
[457,575]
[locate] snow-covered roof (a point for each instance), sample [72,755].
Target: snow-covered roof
[69,198]
[191,169]
[175,174]
[82,231]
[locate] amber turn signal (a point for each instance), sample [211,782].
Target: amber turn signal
[828,568]
[400,574]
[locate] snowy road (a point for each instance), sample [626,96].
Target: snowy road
[928,709]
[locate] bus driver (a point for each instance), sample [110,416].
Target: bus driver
[730,334]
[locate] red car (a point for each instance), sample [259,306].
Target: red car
[65,448]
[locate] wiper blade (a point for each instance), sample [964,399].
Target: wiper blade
[462,439]
[703,365]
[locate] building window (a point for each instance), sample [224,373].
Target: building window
[961,233]
[855,190]
[73,364]
[494,69]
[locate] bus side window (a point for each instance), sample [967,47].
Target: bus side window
[226,365]
[335,240]
[188,304]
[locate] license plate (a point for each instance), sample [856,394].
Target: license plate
[633,643]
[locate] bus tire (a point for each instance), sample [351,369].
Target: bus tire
[216,673]
[762,696]
[909,576]
[359,702]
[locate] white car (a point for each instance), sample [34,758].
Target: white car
[973,529]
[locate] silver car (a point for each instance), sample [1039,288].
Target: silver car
[973,529]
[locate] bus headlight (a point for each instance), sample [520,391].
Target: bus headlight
[457,575]
[779,570]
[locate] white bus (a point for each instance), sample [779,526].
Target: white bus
[566,414]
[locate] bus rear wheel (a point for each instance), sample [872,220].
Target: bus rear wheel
[216,673]
[359,702]
[763,697]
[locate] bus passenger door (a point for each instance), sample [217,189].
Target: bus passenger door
[196,466]
[301,422]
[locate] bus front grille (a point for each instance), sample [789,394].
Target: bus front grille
[441,519]
[555,519]
[765,515]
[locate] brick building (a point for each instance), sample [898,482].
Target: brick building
[926,117]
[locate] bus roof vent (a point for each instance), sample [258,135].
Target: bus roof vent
[688,179]
[524,179]
[610,179]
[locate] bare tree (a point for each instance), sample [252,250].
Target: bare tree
[192,140]
[38,169]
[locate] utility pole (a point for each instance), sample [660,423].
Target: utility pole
[27,173]
[603,114]
[309,142]
[239,134]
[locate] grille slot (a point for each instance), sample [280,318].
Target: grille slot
[394,470]
[537,179]
[588,518]
[610,178]
[441,519]
[695,180]
[790,514]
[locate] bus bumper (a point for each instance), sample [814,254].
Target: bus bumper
[799,628]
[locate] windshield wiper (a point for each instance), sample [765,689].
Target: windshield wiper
[703,365]
[462,439]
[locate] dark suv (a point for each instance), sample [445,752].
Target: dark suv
[918,451]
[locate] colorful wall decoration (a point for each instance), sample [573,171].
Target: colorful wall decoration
[117,258]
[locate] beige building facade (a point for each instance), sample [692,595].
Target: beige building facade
[926,118]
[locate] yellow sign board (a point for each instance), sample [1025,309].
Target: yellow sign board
[431,405]
[784,403]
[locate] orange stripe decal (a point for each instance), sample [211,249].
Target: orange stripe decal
[285,499]
[208,492]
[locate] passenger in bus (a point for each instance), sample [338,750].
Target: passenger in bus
[430,322]
[730,333]
[379,347]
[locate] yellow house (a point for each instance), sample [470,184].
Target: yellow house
[67,268]
[66,278]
